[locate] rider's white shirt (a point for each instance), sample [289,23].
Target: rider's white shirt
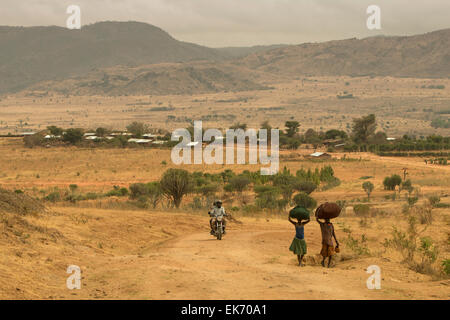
[214,212]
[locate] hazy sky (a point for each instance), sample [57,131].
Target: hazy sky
[218,23]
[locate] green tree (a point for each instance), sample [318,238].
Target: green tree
[364,128]
[305,186]
[101,132]
[175,184]
[54,130]
[137,129]
[368,188]
[73,135]
[155,193]
[391,182]
[291,128]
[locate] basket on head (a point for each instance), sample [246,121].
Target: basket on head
[328,210]
[299,213]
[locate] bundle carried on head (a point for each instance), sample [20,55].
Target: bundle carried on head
[299,213]
[328,210]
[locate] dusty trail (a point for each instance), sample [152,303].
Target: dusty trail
[256,265]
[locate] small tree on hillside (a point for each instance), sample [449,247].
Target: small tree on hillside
[101,132]
[137,129]
[364,128]
[54,130]
[305,186]
[368,188]
[391,182]
[175,184]
[73,136]
[154,193]
[291,128]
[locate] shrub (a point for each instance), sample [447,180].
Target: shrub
[446,266]
[266,197]
[101,132]
[238,183]
[304,200]
[359,247]
[55,131]
[33,140]
[391,182]
[407,185]
[418,253]
[117,192]
[91,196]
[73,135]
[137,190]
[411,201]
[305,186]
[137,129]
[53,197]
[434,200]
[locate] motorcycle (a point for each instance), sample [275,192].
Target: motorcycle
[218,227]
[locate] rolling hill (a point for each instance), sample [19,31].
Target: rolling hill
[135,58]
[421,56]
[32,54]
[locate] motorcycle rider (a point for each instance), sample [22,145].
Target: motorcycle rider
[217,210]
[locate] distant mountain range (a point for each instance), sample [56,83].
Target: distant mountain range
[134,57]
[421,56]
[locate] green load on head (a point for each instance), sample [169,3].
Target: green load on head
[299,213]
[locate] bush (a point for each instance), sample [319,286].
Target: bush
[73,136]
[305,186]
[267,196]
[391,182]
[238,183]
[446,266]
[434,200]
[411,201]
[117,192]
[137,129]
[359,247]
[53,197]
[34,140]
[137,190]
[304,200]
[418,253]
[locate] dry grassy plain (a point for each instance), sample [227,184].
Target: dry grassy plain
[399,104]
[129,253]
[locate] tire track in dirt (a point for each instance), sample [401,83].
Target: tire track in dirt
[200,267]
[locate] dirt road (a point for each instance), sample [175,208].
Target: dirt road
[250,264]
[156,255]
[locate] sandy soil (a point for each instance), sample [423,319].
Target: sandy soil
[156,255]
